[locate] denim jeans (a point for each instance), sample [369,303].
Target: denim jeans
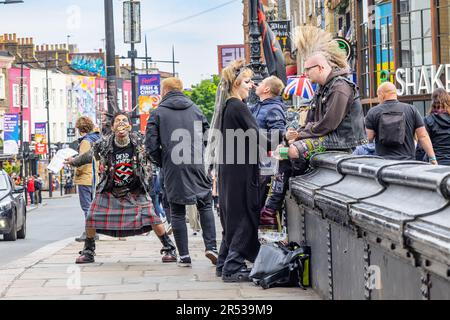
[85,194]
[280,185]
[178,215]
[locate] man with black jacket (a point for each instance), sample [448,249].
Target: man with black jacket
[393,124]
[335,120]
[167,142]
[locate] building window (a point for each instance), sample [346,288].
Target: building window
[61,98]
[364,51]
[54,132]
[443,7]
[414,19]
[383,47]
[16,95]
[2,86]
[36,97]
[63,132]
[54,97]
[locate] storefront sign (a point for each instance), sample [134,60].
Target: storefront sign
[11,133]
[422,80]
[282,30]
[149,92]
[40,137]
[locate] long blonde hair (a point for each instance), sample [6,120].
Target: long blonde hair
[231,75]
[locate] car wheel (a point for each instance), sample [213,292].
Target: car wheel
[22,233]
[12,236]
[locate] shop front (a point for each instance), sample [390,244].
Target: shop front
[405,42]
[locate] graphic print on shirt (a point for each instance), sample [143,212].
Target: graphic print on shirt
[123,169]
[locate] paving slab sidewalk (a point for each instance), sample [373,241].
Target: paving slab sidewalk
[123,270]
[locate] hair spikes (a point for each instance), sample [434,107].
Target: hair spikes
[312,40]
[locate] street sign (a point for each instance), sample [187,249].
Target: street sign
[71,132]
[132,21]
[345,45]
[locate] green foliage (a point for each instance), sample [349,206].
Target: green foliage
[204,95]
[10,168]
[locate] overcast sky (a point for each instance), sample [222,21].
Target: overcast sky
[195,40]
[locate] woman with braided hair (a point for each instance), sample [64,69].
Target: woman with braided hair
[122,206]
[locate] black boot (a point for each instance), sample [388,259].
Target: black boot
[168,249]
[88,253]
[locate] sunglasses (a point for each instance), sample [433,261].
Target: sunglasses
[310,68]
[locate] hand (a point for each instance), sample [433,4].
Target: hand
[68,161]
[291,134]
[434,163]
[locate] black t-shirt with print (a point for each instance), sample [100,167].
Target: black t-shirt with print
[124,175]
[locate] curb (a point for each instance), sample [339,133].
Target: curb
[21,265]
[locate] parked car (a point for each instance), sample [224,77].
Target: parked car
[13,211]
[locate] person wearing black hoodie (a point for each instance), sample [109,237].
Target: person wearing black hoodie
[270,114]
[437,123]
[174,142]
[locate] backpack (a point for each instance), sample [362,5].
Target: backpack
[278,265]
[392,128]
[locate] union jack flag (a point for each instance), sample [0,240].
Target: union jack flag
[300,86]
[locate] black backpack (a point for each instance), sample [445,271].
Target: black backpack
[278,265]
[392,128]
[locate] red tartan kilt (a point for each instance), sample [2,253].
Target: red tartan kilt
[121,217]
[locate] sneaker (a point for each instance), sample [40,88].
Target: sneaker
[212,255]
[86,256]
[81,238]
[185,262]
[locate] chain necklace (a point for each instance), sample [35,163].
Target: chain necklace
[122,143]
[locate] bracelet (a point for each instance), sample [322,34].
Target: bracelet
[432,158]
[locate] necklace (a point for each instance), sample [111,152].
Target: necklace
[122,143]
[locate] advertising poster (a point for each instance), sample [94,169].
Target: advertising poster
[149,87]
[11,133]
[282,30]
[40,137]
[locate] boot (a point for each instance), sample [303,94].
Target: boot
[168,249]
[268,218]
[88,253]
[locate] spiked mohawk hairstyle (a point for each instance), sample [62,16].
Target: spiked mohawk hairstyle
[312,40]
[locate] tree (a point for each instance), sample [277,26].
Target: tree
[204,95]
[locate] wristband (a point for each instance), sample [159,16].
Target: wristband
[432,158]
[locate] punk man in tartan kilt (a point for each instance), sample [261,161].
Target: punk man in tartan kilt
[122,206]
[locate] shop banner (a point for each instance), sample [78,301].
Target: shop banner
[11,133]
[40,137]
[149,87]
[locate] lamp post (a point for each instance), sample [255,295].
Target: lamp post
[255,49]
[49,150]
[111,85]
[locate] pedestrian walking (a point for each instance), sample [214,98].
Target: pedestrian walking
[31,188]
[86,176]
[238,173]
[185,179]
[38,189]
[393,124]
[122,206]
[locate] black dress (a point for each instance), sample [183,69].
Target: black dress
[239,188]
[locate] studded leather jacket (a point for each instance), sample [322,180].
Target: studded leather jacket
[103,151]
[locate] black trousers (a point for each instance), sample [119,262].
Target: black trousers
[178,213]
[280,186]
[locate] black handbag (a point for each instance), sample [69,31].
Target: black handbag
[279,265]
